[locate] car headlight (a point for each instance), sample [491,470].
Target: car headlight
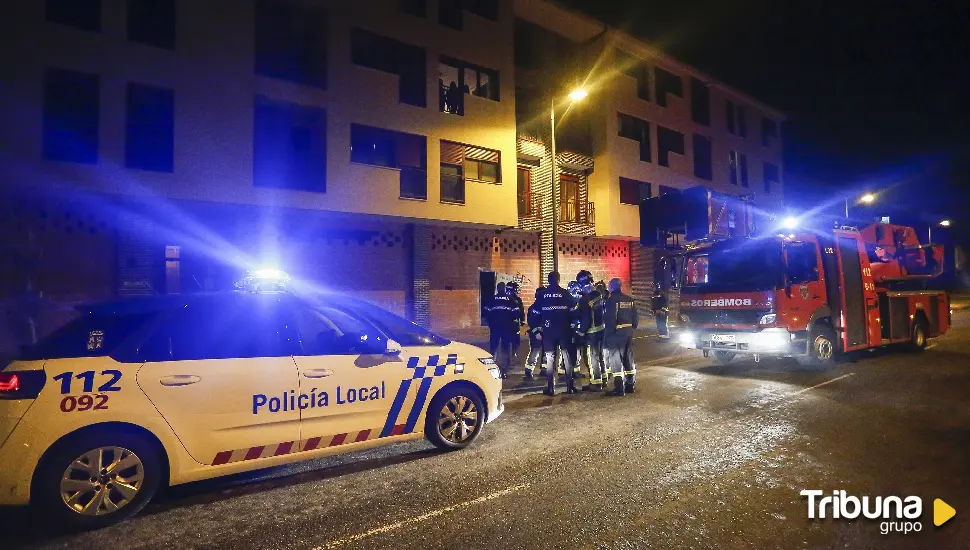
[487,360]
[686,339]
[767,319]
[771,339]
[494,371]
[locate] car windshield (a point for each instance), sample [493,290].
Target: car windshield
[90,335]
[399,329]
[749,265]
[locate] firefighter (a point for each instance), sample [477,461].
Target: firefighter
[574,339]
[554,306]
[512,289]
[534,320]
[659,306]
[621,320]
[590,331]
[502,323]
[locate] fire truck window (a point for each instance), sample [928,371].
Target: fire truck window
[802,263]
[696,272]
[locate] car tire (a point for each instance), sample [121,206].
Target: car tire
[821,348]
[722,357]
[455,418]
[60,479]
[917,336]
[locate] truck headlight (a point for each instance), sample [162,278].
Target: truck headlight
[767,319]
[686,339]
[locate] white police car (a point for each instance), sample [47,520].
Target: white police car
[134,395]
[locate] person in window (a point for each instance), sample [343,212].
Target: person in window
[454,98]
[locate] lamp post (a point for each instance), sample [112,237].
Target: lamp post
[868,198]
[575,95]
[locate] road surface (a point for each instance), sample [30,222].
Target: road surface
[700,456]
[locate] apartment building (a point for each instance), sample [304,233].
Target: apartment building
[376,148]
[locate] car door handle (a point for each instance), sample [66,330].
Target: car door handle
[180,380]
[317,373]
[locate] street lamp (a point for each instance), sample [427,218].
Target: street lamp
[576,95]
[868,198]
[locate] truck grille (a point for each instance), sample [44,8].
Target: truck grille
[725,316]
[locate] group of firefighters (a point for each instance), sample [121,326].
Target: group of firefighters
[585,322]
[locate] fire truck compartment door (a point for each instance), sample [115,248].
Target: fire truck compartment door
[855,303]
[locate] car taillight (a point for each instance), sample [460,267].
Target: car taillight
[9,382]
[24,384]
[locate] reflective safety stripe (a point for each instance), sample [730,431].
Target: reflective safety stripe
[634,371]
[597,329]
[627,325]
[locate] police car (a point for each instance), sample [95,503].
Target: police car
[134,395]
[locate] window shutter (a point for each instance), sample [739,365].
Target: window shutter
[477,153]
[452,153]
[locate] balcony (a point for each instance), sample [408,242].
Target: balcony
[577,212]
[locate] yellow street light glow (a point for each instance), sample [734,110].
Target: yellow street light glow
[945,223]
[868,198]
[578,94]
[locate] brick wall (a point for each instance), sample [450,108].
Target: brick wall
[604,258]
[642,262]
[458,255]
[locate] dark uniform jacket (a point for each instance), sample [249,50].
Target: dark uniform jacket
[520,320]
[659,302]
[504,314]
[555,304]
[535,319]
[590,309]
[621,313]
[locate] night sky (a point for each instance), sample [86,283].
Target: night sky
[876,92]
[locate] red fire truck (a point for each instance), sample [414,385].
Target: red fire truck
[809,293]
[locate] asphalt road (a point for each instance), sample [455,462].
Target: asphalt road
[700,456]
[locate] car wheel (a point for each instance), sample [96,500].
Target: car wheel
[723,357]
[455,418]
[97,480]
[917,336]
[821,349]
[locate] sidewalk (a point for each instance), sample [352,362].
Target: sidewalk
[647,345]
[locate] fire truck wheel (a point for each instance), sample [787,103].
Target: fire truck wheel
[821,350]
[723,357]
[917,336]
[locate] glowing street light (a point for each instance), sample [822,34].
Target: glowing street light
[576,95]
[868,198]
[790,222]
[945,223]
[929,229]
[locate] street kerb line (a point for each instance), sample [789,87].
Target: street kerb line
[422,517]
[827,382]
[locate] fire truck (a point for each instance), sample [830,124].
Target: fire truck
[750,287]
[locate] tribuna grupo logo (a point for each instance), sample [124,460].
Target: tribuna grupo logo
[897,513]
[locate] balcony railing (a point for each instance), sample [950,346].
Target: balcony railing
[583,213]
[530,205]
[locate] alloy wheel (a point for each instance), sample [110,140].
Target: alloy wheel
[457,419]
[102,481]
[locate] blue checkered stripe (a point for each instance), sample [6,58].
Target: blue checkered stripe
[426,373]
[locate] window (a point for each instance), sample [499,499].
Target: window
[769,131]
[221,331]
[407,152]
[450,12]
[700,102]
[668,141]
[391,56]
[402,331]
[638,130]
[633,191]
[569,206]
[772,176]
[475,163]
[633,67]
[667,83]
[481,170]
[289,146]
[703,159]
[152,22]
[149,128]
[452,184]
[329,331]
[291,43]
[417,8]
[457,78]
[92,334]
[524,190]
[173,275]
[80,14]
[71,115]
[667,190]
[736,123]
[738,168]
[802,259]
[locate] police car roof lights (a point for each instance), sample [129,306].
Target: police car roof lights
[264,279]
